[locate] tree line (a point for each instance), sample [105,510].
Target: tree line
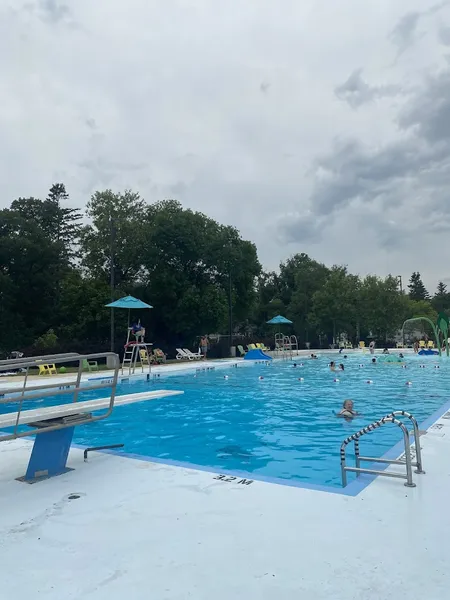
[55,279]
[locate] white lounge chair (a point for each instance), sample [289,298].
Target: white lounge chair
[192,355]
[181,355]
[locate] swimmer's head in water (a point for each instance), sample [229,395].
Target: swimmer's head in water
[345,356]
[332,363]
[374,360]
[347,405]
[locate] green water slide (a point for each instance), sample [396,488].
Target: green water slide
[441,327]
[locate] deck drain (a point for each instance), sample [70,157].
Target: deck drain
[73,496]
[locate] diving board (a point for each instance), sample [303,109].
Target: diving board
[75,408]
[54,427]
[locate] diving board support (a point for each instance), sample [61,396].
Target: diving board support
[49,455]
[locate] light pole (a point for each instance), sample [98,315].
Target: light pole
[230,309]
[111,275]
[399,277]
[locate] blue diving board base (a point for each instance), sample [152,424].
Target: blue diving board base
[49,455]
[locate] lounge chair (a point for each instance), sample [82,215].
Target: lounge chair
[430,344]
[241,350]
[192,355]
[158,356]
[90,365]
[262,347]
[362,345]
[47,369]
[181,355]
[422,344]
[251,347]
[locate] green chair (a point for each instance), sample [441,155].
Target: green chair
[90,365]
[241,350]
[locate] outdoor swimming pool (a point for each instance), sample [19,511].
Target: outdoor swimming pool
[276,427]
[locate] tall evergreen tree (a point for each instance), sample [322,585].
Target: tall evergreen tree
[417,289]
[63,223]
[441,289]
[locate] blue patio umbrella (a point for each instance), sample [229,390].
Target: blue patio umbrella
[279,320]
[129,302]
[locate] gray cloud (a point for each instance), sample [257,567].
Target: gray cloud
[355,91]
[50,11]
[406,31]
[407,179]
[90,98]
[444,35]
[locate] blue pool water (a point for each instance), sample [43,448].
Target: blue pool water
[278,426]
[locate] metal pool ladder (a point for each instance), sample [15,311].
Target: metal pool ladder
[390,418]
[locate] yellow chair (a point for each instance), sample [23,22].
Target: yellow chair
[144,357]
[261,346]
[430,344]
[47,369]
[421,344]
[362,345]
[251,347]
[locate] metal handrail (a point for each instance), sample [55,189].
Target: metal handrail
[408,462]
[56,359]
[43,358]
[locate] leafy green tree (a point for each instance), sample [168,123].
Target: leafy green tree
[121,216]
[28,265]
[61,224]
[308,276]
[382,307]
[417,290]
[334,308]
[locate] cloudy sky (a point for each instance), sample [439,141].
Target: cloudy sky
[318,126]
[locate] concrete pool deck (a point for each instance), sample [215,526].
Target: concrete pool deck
[120,528]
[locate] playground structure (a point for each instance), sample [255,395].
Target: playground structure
[285,345]
[440,331]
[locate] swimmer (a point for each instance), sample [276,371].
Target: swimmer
[332,366]
[341,367]
[345,356]
[313,356]
[294,365]
[374,360]
[347,411]
[401,355]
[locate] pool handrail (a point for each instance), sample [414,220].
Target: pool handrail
[390,418]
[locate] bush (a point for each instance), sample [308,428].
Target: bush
[47,340]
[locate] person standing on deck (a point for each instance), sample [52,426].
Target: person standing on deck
[204,346]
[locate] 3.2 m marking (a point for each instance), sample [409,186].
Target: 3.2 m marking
[230,479]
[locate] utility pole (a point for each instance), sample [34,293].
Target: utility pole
[399,277]
[230,307]
[112,281]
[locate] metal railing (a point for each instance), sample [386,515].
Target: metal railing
[390,418]
[26,392]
